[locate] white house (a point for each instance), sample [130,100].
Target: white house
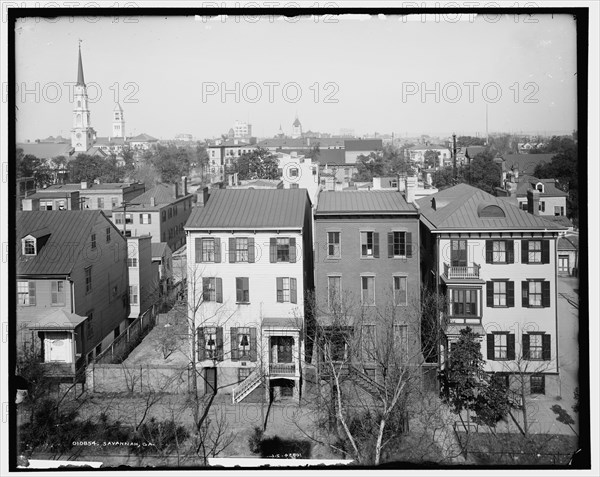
[299,172]
[496,265]
[249,255]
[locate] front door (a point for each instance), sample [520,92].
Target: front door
[58,347]
[210,380]
[459,253]
[563,263]
[284,349]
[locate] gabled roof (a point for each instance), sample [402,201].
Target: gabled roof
[251,208]
[562,220]
[361,201]
[363,144]
[48,318]
[142,138]
[527,182]
[525,163]
[458,208]
[66,233]
[162,193]
[158,248]
[472,151]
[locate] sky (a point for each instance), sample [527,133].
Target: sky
[190,75]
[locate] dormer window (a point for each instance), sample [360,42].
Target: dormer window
[540,187]
[29,246]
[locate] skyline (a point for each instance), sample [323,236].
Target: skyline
[357,83]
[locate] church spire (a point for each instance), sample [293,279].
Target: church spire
[80,81]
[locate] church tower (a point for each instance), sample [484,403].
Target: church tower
[118,127]
[296,129]
[82,134]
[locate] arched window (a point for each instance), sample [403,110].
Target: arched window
[540,187]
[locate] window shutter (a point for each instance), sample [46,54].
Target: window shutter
[292,250]
[234,344]
[231,250]
[253,344]
[510,340]
[217,250]
[524,251]
[490,347]
[510,251]
[32,297]
[279,281]
[546,347]
[273,250]
[220,343]
[141,218]
[409,244]
[219,292]
[198,250]
[246,286]
[376,244]
[526,346]
[251,250]
[525,294]
[489,251]
[238,290]
[546,293]
[293,291]
[205,292]
[201,346]
[149,218]
[390,236]
[545,251]
[510,294]
[490,293]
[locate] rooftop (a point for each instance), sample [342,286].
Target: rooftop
[363,201]
[363,144]
[525,163]
[464,207]
[260,208]
[568,242]
[527,182]
[162,194]
[158,248]
[103,186]
[61,236]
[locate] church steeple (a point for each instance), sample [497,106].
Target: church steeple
[83,135]
[80,80]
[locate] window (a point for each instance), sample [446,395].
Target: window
[542,206]
[88,279]
[118,219]
[286,290]
[243,342]
[367,290]
[334,292]
[399,245]
[294,172]
[212,289]
[29,246]
[241,250]
[535,251]
[369,344]
[563,263]
[107,234]
[537,384]
[533,343]
[210,343]
[93,241]
[170,213]
[100,202]
[333,245]
[500,293]
[145,218]
[133,294]
[499,251]
[401,342]
[26,293]
[208,250]
[129,218]
[243,373]
[163,215]
[57,292]
[535,293]
[338,349]
[558,210]
[89,326]
[400,290]
[464,302]
[242,290]
[458,253]
[369,244]
[500,346]
[283,250]
[132,262]
[45,205]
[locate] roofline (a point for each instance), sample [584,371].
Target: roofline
[43,276]
[504,229]
[365,212]
[237,229]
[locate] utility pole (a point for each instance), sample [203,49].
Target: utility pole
[454,156]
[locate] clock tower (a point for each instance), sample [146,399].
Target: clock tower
[83,135]
[118,122]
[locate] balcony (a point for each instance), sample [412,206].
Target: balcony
[282,369]
[469,272]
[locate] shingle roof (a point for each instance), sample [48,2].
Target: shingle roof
[360,201]
[363,144]
[526,163]
[457,208]
[69,231]
[237,208]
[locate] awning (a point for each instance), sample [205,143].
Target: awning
[48,318]
[454,330]
[282,323]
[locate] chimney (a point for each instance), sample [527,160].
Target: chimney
[533,201]
[294,154]
[184,190]
[153,201]
[176,191]
[411,188]
[202,196]
[84,184]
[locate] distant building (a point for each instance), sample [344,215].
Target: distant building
[299,172]
[568,255]
[163,258]
[242,130]
[222,156]
[144,280]
[360,147]
[417,154]
[296,129]
[72,287]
